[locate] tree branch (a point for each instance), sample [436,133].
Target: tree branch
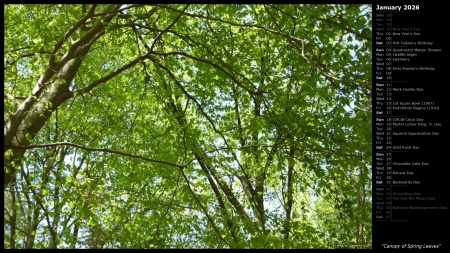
[335,24]
[106,150]
[70,32]
[203,208]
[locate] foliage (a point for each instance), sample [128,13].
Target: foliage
[187,126]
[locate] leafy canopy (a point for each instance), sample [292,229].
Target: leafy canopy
[187,126]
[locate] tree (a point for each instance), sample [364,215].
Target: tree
[169,126]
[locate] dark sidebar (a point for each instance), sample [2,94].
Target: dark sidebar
[410,113]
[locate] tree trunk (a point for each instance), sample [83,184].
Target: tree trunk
[32,115]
